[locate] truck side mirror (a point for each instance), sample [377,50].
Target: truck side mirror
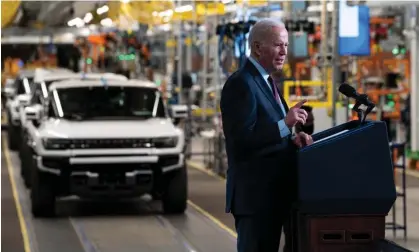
[32,113]
[9,89]
[178,112]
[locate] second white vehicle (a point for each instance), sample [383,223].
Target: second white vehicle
[105,139]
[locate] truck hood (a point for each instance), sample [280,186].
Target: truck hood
[61,128]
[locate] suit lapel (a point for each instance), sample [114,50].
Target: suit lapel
[263,86]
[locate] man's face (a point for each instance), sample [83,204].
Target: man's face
[274,49]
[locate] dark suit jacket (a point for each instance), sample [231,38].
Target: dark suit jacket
[261,163]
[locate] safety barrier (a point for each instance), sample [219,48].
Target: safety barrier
[399,152]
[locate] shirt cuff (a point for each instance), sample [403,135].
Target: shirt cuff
[283,129]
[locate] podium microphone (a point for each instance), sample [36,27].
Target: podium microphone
[350,92]
[361,99]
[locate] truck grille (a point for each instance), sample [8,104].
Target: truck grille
[110,143]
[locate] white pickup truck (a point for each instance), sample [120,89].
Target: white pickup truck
[105,139]
[37,101]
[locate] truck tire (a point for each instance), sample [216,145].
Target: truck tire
[175,195]
[23,162]
[12,136]
[27,170]
[42,194]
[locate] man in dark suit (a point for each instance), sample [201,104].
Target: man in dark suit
[257,125]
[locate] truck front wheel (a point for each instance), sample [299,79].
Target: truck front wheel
[13,136]
[42,194]
[175,195]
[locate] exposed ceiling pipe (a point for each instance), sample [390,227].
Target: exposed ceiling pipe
[48,10]
[24,17]
[56,13]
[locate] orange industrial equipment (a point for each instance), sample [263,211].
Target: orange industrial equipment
[380,20]
[301,69]
[381,64]
[376,94]
[92,49]
[11,66]
[97,42]
[365,68]
[145,52]
[395,65]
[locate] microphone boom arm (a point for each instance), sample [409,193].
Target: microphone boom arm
[362,115]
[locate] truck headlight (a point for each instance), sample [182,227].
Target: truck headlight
[166,142]
[56,144]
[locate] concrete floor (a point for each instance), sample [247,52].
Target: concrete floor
[140,225]
[83,226]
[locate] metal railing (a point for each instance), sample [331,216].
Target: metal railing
[398,151]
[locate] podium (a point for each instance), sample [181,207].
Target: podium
[345,189]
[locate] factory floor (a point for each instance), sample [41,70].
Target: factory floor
[140,225]
[131,226]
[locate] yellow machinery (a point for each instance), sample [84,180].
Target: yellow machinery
[9,9]
[313,91]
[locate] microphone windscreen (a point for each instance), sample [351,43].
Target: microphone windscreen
[347,90]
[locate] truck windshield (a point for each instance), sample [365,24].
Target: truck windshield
[103,103]
[45,85]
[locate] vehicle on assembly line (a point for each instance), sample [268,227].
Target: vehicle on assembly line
[7,90]
[42,81]
[18,95]
[105,139]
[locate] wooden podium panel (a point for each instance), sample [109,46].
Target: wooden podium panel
[340,233]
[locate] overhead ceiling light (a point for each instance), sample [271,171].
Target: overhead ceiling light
[166,13]
[76,22]
[318,8]
[231,8]
[107,22]
[125,1]
[88,17]
[79,25]
[102,10]
[184,8]
[165,27]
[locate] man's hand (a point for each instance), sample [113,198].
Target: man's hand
[296,115]
[302,139]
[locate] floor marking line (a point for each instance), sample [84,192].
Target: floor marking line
[202,168]
[22,196]
[218,222]
[21,218]
[87,245]
[212,218]
[176,233]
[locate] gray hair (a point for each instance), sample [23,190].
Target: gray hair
[263,27]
